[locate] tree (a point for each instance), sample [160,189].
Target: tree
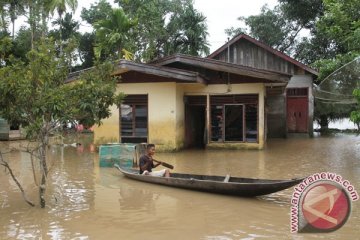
[187,33]
[111,34]
[149,36]
[270,27]
[68,28]
[37,95]
[340,24]
[6,46]
[3,16]
[22,43]
[305,13]
[355,115]
[61,6]
[68,36]
[86,50]
[280,27]
[97,12]
[36,12]
[16,8]
[165,27]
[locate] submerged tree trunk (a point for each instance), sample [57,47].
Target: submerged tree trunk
[324,123]
[43,165]
[42,190]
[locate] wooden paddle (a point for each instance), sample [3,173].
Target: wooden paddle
[164,164]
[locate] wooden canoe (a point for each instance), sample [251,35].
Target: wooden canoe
[244,187]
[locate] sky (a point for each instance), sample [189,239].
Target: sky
[225,13]
[220,15]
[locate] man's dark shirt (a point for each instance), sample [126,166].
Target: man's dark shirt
[143,160]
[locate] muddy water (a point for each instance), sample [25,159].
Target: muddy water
[88,202]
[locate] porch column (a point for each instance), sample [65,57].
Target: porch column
[208,119]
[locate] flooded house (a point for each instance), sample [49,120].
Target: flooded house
[9,132]
[237,97]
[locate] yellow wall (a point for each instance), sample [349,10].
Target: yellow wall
[180,118]
[162,114]
[108,132]
[166,112]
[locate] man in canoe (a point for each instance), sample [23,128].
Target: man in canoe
[146,163]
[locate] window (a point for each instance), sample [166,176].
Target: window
[234,118]
[297,92]
[251,122]
[134,119]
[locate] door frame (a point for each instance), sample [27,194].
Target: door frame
[299,93]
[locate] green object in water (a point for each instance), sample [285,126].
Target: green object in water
[122,154]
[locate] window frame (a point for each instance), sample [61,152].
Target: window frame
[245,103]
[133,102]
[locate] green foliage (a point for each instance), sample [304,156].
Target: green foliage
[92,94]
[149,36]
[60,6]
[97,12]
[68,26]
[328,66]
[355,115]
[318,46]
[187,33]
[326,111]
[280,27]
[111,34]
[334,40]
[304,12]
[165,27]
[5,49]
[341,23]
[86,50]
[22,43]
[273,27]
[36,95]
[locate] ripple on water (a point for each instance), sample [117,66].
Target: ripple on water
[88,202]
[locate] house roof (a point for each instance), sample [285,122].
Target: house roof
[266,47]
[222,66]
[127,68]
[167,72]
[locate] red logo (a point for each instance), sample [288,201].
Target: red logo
[325,207]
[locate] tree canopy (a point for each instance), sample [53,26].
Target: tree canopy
[37,95]
[165,27]
[321,33]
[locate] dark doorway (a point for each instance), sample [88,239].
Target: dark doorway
[195,118]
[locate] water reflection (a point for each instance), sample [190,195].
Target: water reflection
[89,202]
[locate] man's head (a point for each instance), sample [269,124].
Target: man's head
[150,148]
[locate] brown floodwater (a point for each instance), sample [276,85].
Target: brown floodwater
[85,201]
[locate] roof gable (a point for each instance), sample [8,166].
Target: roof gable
[277,53]
[146,72]
[213,65]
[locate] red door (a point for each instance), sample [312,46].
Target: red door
[297,114]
